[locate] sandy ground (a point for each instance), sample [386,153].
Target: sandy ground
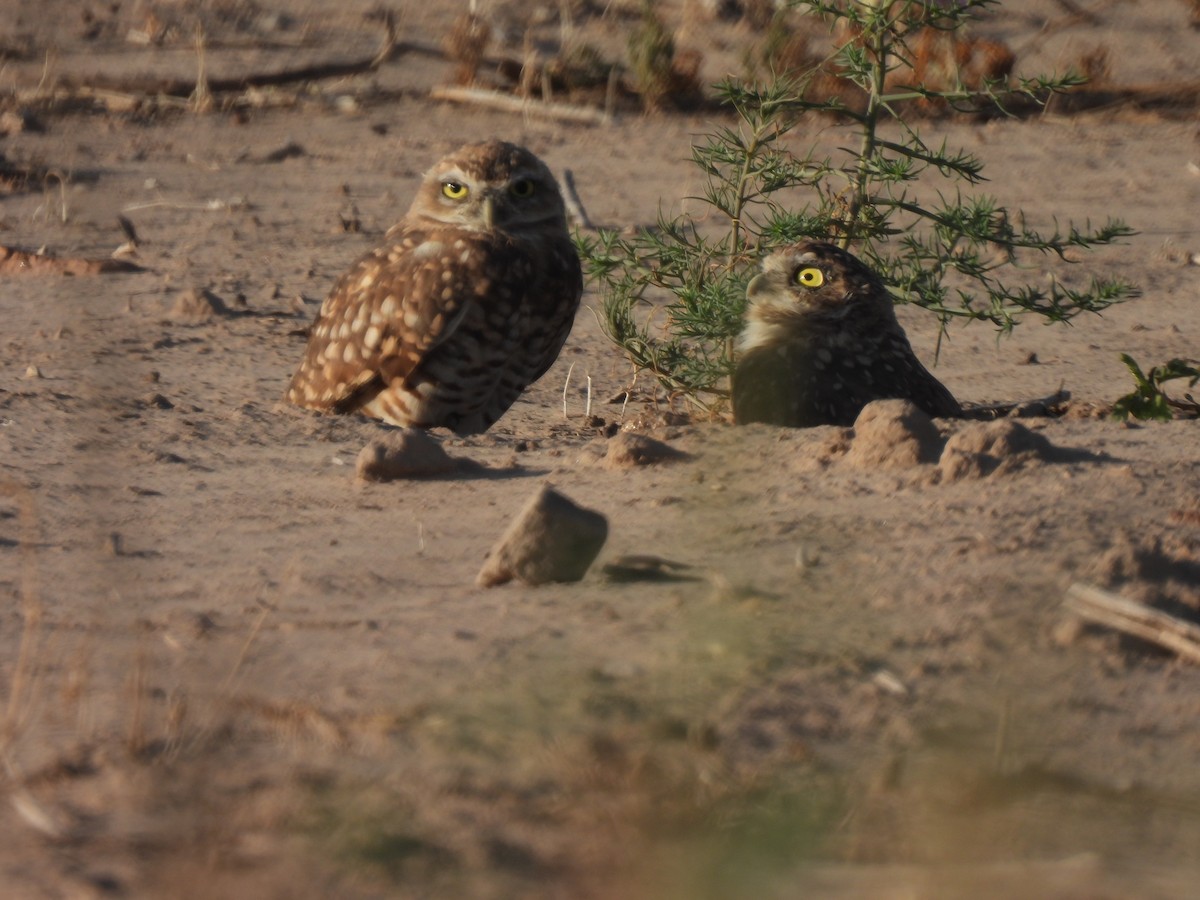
[229,669]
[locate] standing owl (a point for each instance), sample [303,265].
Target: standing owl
[821,341]
[467,303]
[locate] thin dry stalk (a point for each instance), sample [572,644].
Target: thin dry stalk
[23,685]
[237,665]
[201,100]
[64,213]
[566,385]
[136,740]
[574,205]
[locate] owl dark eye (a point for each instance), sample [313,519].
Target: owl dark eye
[454,190]
[810,277]
[522,187]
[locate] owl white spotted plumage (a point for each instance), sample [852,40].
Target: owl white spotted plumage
[821,341]
[467,303]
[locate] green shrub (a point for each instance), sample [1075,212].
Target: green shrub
[673,295]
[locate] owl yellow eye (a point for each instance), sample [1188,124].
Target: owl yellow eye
[454,190]
[810,277]
[521,188]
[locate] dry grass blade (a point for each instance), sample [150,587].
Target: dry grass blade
[1155,626]
[22,685]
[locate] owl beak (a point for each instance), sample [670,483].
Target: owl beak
[757,284]
[489,211]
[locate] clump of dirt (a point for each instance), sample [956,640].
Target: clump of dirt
[198,306]
[992,448]
[893,434]
[627,449]
[405,453]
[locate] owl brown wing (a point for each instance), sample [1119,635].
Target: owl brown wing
[891,370]
[387,314]
[554,305]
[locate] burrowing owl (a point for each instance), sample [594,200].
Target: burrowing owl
[821,341]
[467,303]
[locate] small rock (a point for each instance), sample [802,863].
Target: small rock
[157,401]
[626,449]
[197,306]
[893,434]
[287,150]
[33,372]
[985,448]
[1068,631]
[552,539]
[407,453]
[17,121]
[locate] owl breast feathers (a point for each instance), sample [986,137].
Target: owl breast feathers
[821,341]
[467,304]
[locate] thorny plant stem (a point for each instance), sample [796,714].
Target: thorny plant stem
[878,47]
[741,199]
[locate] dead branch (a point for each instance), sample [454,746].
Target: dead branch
[22,262]
[1137,619]
[1038,406]
[184,88]
[566,112]
[1166,96]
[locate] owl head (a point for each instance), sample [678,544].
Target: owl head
[810,286]
[489,186]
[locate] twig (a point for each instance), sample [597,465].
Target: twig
[991,411]
[567,112]
[213,205]
[567,384]
[316,72]
[62,193]
[1155,626]
[574,206]
[14,261]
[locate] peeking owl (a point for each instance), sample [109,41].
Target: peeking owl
[821,341]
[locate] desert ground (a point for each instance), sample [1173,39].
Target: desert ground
[230,668]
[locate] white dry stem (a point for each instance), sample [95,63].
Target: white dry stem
[567,384]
